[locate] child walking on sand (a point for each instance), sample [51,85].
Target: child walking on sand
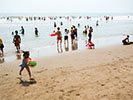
[25,63]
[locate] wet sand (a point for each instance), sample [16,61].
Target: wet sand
[99,74]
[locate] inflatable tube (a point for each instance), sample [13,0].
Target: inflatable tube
[32,63]
[87,45]
[54,34]
[36,35]
[20,31]
[90,45]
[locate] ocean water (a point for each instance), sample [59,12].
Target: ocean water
[107,33]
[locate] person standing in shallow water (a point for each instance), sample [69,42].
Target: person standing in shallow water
[97,23]
[36,31]
[66,36]
[90,34]
[85,31]
[17,41]
[1,46]
[59,37]
[61,23]
[72,35]
[54,24]
[22,30]
[75,32]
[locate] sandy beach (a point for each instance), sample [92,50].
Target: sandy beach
[100,74]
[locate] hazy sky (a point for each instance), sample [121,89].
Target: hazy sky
[62,6]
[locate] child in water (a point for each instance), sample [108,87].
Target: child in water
[25,63]
[91,45]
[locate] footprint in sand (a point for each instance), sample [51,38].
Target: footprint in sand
[78,94]
[61,90]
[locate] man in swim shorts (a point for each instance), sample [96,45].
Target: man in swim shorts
[17,41]
[59,37]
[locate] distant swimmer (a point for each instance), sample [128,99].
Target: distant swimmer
[112,18]
[1,47]
[126,41]
[12,33]
[17,41]
[61,23]
[97,23]
[55,24]
[78,25]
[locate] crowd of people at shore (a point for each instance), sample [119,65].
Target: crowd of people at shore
[72,32]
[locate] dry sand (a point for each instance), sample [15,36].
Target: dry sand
[100,74]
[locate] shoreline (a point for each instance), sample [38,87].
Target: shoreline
[107,33]
[104,73]
[52,50]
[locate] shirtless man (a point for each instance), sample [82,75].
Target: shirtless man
[59,37]
[126,41]
[17,41]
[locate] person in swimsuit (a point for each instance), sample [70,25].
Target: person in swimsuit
[85,31]
[97,23]
[72,35]
[75,32]
[55,24]
[1,46]
[126,41]
[25,63]
[36,31]
[59,37]
[90,34]
[22,30]
[17,41]
[66,36]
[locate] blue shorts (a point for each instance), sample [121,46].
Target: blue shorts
[23,65]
